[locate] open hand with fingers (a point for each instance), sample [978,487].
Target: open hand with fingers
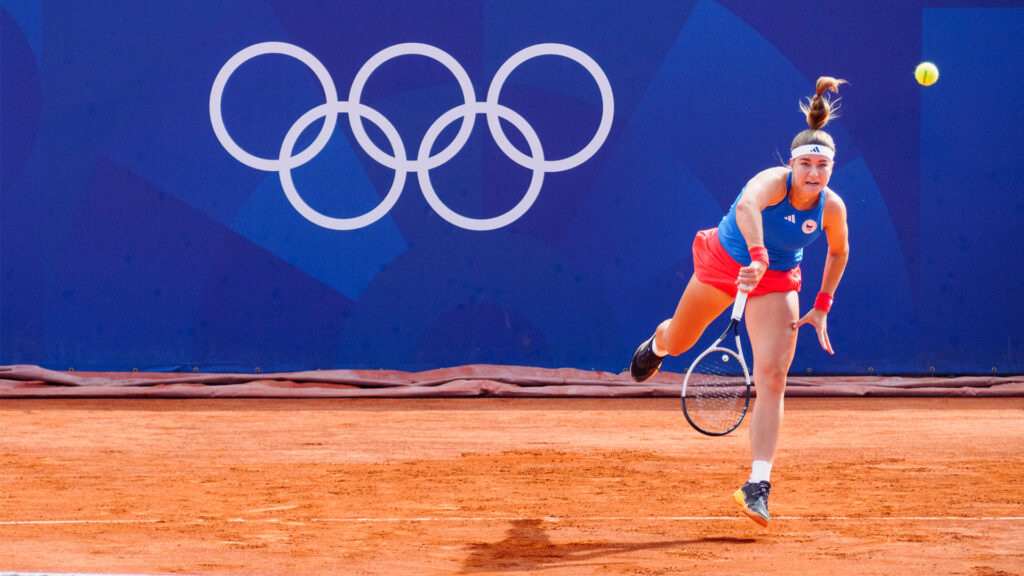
[817,318]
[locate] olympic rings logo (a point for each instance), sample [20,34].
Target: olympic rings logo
[399,161]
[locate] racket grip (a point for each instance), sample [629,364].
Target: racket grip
[739,305]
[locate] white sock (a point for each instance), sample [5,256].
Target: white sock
[657,351]
[761,471]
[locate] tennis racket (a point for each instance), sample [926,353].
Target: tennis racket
[716,390]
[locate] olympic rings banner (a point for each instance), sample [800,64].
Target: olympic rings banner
[278,185]
[286,162]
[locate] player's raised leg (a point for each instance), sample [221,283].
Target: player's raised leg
[699,305]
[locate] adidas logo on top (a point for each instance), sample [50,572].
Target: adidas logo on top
[791,218]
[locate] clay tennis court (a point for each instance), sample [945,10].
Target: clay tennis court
[552,486]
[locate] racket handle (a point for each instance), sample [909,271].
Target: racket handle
[739,305]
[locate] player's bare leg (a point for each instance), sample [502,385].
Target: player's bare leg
[773,340]
[699,305]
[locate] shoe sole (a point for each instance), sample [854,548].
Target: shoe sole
[738,497]
[656,370]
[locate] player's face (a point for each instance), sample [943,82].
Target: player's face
[811,172]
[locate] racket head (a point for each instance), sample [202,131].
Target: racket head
[716,391]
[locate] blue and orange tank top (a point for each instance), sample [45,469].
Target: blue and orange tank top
[786,231]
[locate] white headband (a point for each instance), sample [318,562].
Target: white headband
[812,149]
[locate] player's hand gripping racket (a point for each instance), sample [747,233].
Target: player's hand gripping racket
[716,390]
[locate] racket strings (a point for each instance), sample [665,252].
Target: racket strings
[716,388]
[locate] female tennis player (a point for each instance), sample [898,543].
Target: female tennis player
[757,248]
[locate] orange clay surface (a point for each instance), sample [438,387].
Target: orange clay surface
[501,486]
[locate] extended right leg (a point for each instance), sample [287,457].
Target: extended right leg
[698,307]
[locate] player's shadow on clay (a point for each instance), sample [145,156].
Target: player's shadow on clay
[528,547]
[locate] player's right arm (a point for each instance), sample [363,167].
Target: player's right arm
[766,188]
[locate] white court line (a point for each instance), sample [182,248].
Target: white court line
[68,574]
[47,522]
[550,519]
[680,518]
[274,509]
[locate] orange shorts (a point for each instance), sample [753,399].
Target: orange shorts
[712,265]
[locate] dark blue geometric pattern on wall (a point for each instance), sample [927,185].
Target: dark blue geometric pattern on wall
[131,237]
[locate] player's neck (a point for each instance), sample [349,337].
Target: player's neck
[803,200]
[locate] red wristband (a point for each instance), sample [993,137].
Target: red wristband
[759,253]
[823,302]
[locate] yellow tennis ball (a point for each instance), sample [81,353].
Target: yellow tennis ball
[926,73]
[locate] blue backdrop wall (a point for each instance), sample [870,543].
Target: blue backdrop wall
[134,235]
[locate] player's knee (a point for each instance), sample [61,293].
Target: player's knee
[771,379]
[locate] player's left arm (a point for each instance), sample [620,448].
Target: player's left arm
[833,221]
